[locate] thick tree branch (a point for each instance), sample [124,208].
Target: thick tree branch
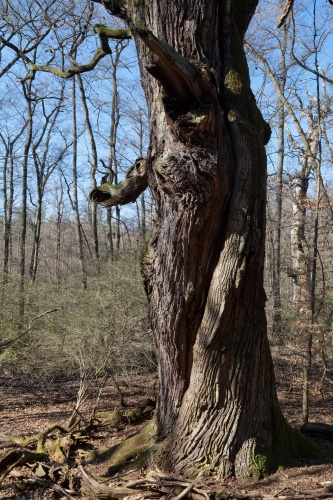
[126,191]
[104,34]
[177,75]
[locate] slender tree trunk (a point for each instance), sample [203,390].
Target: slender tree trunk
[276,270]
[203,269]
[75,201]
[141,205]
[113,163]
[143,218]
[6,210]
[318,136]
[143,222]
[299,245]
[276,282]
[36,239]
[8,192]
[44,166]
[93,170]
[8,196]
[22,250]
[58,234]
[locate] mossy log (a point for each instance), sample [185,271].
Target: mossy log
[120,418]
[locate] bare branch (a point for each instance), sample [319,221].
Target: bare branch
[285,12]
[8,342]
[104,34]
[307,68]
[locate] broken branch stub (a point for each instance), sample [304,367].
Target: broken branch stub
[178,76]
[187,95]
[127,191]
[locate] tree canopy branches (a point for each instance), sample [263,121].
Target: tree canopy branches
[104,34]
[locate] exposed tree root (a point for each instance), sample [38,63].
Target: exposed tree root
[158,485]
[55,468]
[317,429]
[53,464]
[154,482]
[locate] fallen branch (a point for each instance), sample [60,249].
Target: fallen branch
[45,483]
[299,496]
[102,490]
[53,449]
[17,458]
[188,489]
[154,481]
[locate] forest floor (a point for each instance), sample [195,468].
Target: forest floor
[24,412]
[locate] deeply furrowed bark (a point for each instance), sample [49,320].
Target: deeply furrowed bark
[203,269]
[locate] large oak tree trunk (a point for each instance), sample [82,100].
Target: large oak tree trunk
[203,269]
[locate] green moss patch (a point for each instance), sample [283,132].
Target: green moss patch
[133,452]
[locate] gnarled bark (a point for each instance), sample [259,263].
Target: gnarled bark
[203,269]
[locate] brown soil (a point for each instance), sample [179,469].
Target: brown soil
[24,413]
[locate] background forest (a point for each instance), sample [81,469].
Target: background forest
[72,300]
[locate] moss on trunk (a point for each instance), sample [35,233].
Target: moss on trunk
[134,452]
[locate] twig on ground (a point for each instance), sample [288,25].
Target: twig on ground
[189,488]
[101,489]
